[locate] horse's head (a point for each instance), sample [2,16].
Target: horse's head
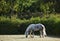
[26,33]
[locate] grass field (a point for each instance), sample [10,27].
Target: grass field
[22,38]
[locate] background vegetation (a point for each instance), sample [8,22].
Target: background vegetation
[15,25]
[27,8]
[16,15]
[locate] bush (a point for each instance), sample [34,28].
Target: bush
[18,26]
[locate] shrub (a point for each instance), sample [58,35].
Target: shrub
[18,26]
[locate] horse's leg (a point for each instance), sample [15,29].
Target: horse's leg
[44,33]
[31,32]
[41,33]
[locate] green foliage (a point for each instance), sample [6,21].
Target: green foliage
[10,10]
[10,7]
[14,25]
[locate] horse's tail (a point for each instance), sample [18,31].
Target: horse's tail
[44,31]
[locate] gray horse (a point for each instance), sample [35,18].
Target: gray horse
[35,27]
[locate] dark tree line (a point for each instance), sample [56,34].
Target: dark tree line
[25,8]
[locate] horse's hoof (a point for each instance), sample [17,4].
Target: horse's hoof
[45,35]
[26,36]
[32,37]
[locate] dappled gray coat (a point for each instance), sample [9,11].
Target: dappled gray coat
[35,27]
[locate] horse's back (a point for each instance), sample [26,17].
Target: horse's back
[35,27]
[40,26]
